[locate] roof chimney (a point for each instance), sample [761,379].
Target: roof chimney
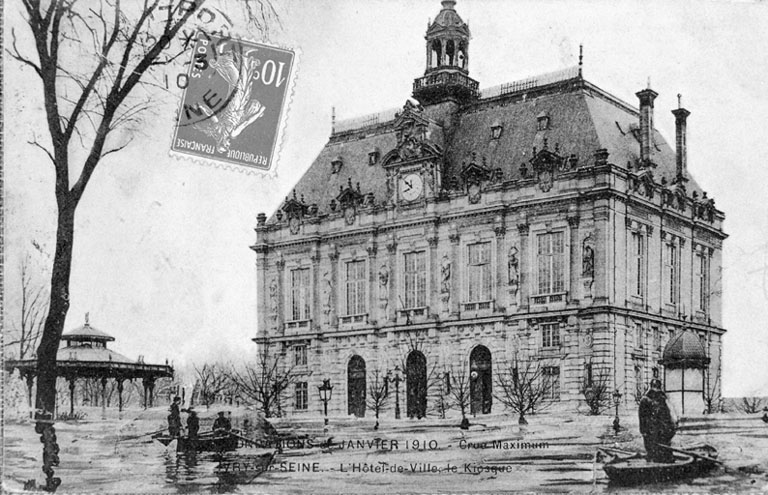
[646,97]
[681,114]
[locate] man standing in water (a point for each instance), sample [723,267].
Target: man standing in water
[656,424]
[174,419]
[193,425]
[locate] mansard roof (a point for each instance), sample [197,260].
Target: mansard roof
[684,350]
[582,119]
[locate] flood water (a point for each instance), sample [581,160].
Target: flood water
[115,456]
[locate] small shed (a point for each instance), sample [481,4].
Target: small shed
[685,363]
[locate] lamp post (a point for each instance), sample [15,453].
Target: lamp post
[396,379]
[616,401]
[326,391]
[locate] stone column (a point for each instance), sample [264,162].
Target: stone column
[575,265]
[371,293]
[603,247]
[71,396]
[30,378]
[120,395]
[333,256]
[455,293]
[280,265]
[392,303]
[151,387]
[104,397]
[501,263]
[526,272]
[262,308]
[433,294]
[316,289]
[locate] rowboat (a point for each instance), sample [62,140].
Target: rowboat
[205,442]
[243,469]
[635,469]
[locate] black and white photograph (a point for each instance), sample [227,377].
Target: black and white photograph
[384,246]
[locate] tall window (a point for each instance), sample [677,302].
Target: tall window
[479,272]
[300,355]
[637,264]
[639,336]
[356,283]
[701,281]
[415,280]
[551,262]
[550,335]
[301,396]
[300,294]
[552,381]
[656,338]
[671,267]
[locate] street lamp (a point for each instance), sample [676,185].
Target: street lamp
[326,391]
[616,401]
[396,379]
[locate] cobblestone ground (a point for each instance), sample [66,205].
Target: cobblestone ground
[554,453]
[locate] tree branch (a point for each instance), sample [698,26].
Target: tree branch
[15,54]
[35,143]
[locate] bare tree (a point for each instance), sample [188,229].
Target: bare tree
[750,405]
[26,330]
[265,383]
[441,400]
[523,389]
[713,400]
[378,394]
[93,60]
[595,387]
[460,391]
[212,379]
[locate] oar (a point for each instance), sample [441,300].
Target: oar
[692,454]
[142,435]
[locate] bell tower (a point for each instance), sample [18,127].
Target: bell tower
[446,76]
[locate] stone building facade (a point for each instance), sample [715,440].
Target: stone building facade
[543,222]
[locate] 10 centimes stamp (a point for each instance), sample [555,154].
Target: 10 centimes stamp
[233,107]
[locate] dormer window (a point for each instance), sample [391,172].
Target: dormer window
[373,156]
[542,121]
[336,164]
[496,130]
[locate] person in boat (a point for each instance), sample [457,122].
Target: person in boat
[193,424]
[657,424]
[222,423]
[174,419]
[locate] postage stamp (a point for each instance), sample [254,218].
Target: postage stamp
[234,101]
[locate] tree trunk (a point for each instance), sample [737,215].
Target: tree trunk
[45,400]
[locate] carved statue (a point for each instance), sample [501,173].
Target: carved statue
[327,294]
[273,305]
[512,266]
[445,272]
[383,281]
[587,260]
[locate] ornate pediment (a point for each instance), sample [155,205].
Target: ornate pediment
[475,173]
[643,183]
[412,130]
[293,207]
[544,164]
[350,199]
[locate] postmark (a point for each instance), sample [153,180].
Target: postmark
[234,102]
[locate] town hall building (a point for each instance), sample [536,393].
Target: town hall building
[543,224]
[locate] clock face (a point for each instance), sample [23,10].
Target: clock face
[411,187]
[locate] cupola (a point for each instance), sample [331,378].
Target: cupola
[446,75]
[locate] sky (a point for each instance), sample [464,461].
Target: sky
[162,259]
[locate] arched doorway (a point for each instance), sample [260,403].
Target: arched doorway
[356,386]
[416,383]
[481,380]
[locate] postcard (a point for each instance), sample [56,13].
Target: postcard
[414,246]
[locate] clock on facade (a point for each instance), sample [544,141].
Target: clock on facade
[411,187]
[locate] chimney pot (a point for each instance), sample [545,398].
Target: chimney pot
[646,97]
[681,116]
